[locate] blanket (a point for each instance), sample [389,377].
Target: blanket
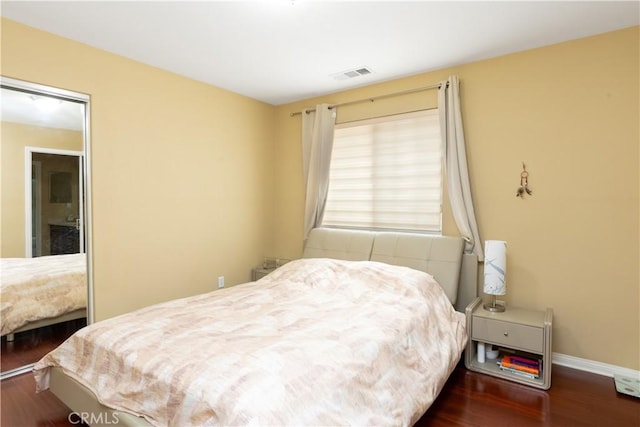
[316,342]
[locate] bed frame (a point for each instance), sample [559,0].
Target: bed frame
[441,256]
[72,315]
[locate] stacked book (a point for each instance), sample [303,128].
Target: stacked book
[523,366]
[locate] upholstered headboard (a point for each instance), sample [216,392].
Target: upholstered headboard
[440,256]
[335,243]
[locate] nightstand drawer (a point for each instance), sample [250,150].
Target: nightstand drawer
[508,334]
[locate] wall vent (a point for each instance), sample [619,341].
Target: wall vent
[349,74]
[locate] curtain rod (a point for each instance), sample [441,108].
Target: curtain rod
[374,98]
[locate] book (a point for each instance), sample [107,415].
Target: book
[525,361]
[519,362]
[519,372]
[520,353]
[521,368]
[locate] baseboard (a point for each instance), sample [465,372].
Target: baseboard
[593,366]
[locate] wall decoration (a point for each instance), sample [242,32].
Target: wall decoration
[524,183]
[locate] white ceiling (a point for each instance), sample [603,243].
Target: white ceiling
[39,110]
[281,51]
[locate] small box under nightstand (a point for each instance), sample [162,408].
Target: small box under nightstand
[515,331]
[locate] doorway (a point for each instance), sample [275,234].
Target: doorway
[55,194]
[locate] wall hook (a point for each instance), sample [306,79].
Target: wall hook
[524,183]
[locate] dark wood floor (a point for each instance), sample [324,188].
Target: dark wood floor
[576,398]
[468,399]
[30,346]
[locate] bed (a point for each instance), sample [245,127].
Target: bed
[354,333]
[41,291]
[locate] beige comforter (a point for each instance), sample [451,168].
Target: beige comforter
[317,342]
[40,288]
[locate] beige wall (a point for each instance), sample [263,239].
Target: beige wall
[220,174]
[570,112]
[179,170]
[13,140]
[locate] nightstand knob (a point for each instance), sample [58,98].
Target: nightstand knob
[506,334]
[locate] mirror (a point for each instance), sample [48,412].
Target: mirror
[45,280]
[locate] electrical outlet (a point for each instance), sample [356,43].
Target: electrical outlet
[220,282]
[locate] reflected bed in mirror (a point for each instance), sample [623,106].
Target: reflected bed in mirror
[44,257]
[40,291]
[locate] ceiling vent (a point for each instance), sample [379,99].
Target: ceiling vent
[344,75]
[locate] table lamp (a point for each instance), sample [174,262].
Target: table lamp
[495,268]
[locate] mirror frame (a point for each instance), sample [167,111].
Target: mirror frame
[64,94]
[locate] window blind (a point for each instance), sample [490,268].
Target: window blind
[386,173]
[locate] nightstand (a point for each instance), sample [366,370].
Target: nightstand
[260,272]
[269,264]
[514,331]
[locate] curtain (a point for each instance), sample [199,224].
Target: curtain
[317,142]
[456,171]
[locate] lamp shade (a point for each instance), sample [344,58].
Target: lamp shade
[495,267]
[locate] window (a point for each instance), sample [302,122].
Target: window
[386,173]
